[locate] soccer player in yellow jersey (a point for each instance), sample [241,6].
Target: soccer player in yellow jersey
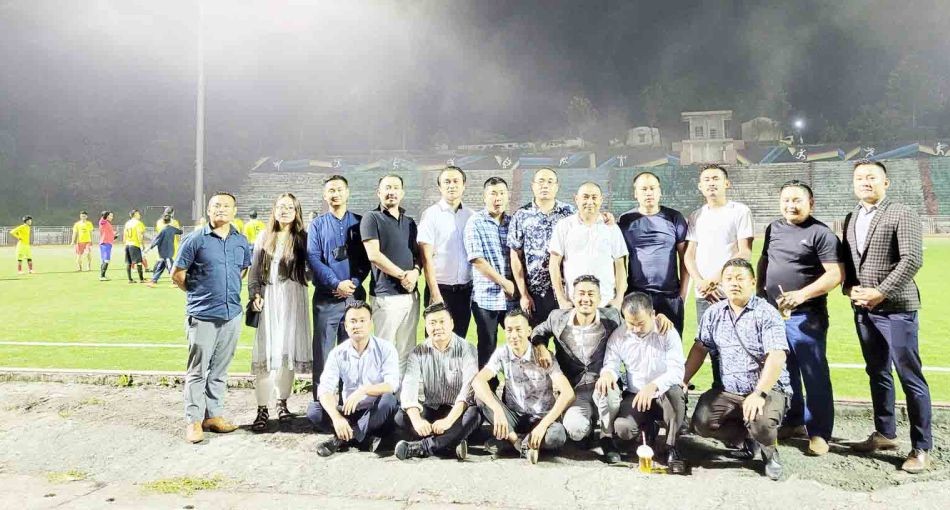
[238,224]
[23,246]
[82,240]
[134,237]
[253,227]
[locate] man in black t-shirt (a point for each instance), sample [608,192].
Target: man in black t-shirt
[801,262]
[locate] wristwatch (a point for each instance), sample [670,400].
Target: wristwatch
[764,394]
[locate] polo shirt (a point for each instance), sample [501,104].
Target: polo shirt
[588,250]
[213,268]
[653,265]
[796,254]
[397,241]
[716,232]
[444,229]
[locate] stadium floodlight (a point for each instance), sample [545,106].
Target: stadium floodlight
[799,124]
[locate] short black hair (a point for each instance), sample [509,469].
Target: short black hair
[635,302]
[872,162]
[132,212]
[491,181]
[105,214]
[223,194]
[337,177]
[397,176]
[27,218]
[450,168]
[739,262]
[587,278]
[84,212]
[434,308]
[357,305]
[643,174]
[517,312]
[253,214]
[795,183]
[716,166]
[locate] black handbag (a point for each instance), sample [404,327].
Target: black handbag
[251,316]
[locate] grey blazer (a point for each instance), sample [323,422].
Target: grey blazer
[893,253]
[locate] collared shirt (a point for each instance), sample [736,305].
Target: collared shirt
[583,341]
[377,364]
[652,241]
[335,253]
[528,387]
[862,224]
[588,249]
[716,232]
[655,357]
[397,241]
[530,232]
[757,330]
[444,229]
[437,378]
[213,268]
[487,238]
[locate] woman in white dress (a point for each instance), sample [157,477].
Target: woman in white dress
[277,283]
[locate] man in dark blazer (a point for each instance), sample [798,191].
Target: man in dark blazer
[882,242]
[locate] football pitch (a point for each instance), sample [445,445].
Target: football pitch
[59,318]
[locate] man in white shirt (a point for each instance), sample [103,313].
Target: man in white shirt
[442,247]
[588,246]
[719,231]
[654,365]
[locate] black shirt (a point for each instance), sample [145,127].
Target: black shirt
[397,241]
[795,256]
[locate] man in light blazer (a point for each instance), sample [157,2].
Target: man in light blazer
[883,247]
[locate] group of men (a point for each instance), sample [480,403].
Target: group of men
[609,291]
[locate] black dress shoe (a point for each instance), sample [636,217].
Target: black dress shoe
[329,447]
[675,462]
[611,455]
[409,449]
[773,465]
[751,449]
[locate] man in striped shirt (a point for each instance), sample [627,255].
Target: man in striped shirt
[435,395]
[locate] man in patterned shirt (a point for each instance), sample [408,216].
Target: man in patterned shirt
[529,237]
[486,244]
[530,407]
[435,392]
[749,336]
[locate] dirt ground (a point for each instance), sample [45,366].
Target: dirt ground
[94,446]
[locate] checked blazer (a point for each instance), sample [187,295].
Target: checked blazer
[893,253]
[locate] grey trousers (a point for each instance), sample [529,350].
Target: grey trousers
[395,318]
[589,407]
[211,347]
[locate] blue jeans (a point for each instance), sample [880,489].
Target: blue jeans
[807,333]
[891,339]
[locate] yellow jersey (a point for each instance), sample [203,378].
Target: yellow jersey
[134,233]
[159,225]
[83,231]
[22,234]
[238,224]
[252,229]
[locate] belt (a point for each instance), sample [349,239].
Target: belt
[456,288]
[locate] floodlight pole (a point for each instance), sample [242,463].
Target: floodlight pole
[197,208]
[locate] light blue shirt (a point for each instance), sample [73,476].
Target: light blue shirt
[379,363]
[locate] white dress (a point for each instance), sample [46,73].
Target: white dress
[284,337]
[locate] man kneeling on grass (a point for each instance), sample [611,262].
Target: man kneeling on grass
[529,406]
[436,389]
[368,368]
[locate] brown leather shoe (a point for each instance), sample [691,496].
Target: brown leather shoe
[817,446]
[193,432]
[917,461]
[786,432]
[876,441]
[219,425]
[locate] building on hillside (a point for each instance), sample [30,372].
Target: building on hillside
[643,136]
[761,129]
[709,141]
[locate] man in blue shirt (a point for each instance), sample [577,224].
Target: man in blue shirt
[656,240]
[339,265]
[367,369]
[211,263]
[748,335]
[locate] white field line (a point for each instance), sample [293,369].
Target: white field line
[846,366]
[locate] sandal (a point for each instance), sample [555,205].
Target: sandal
[283,414]
[260,423]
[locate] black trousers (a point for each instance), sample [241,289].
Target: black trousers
[458,299]
[522,423]
[670,305]
[543,306]
[891,338]
[445,442]
[486,326]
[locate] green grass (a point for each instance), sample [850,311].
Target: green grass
[184,485]
[60,305]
